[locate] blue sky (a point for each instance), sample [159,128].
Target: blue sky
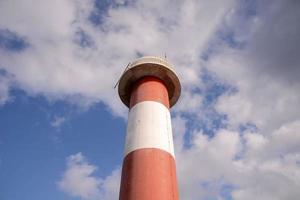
[33,152]
[236,125]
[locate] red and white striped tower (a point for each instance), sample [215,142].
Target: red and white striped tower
[149,87]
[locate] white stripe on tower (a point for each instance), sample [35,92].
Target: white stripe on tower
[149,126]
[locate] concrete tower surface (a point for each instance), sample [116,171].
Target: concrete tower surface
[149,87]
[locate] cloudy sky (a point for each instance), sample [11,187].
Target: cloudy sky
[236,125]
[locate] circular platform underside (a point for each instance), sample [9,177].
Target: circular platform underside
[149,66]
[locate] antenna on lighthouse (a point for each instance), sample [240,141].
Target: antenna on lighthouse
[121,75]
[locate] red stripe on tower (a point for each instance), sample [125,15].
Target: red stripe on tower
[149,87]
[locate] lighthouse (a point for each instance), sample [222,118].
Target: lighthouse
[149,87]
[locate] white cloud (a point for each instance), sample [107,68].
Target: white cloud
[188,102]
[261,99]
[5,84]
[259,164]
[207,161]
[57,121]
[263,168]
[55,66]
[265,71]
[79,180]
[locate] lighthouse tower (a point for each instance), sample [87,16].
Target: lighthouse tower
[149,88]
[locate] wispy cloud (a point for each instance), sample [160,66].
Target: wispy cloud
[77,51]
[57,121]
[79,180]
